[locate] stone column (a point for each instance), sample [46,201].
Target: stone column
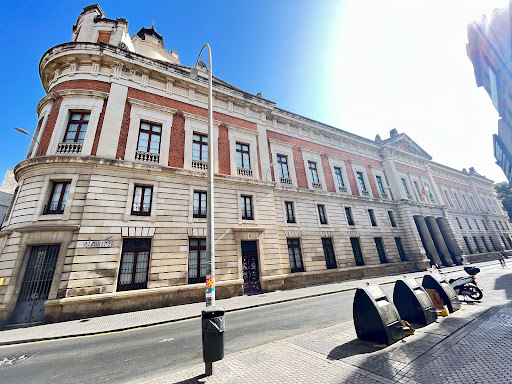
[441,247]
[449,239]
[411,240]
[427,240]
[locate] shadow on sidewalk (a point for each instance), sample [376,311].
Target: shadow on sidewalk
[193,380]
[351,348]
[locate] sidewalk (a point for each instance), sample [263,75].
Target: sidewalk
[145,318]
[472,345]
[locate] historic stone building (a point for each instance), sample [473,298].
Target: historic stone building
[111,217]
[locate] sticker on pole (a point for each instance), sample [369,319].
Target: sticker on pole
[210,286]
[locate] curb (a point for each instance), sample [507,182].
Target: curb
[127,328]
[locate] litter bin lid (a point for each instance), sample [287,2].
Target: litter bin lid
[212,311]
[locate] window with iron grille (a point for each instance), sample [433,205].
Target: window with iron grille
[77,126]
[295,256]
[199,204]
[485,225]
[496,225]
[243,159]
[458,222]
[196,260]
[485,244]
[133,271]
[381,186]
[467,244]
[392,218]
[282,166]
[149,137]
[321,214]
[142,197]
[58,198]
[501,225]
[360,179]
[477,245]
[476,223]
[246,206]
[399,246]
[339,177]
[199,147]
[313,172]
[290,215]
[330,258]
[371,214]
[356,249]
[350,218]
[492,243]
[380,250]
[469,225]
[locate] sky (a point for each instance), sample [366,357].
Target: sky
[364,66]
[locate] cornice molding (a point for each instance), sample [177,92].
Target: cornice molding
[282,143]
[335,157]
[310,150]
[82,92]
[202,119]
[154,107]
[237,128]
[48,98]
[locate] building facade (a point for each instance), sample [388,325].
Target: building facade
[111,217]
[490,50]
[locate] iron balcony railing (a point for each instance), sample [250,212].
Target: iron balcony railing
[200,213]
[141,209]
[53,209]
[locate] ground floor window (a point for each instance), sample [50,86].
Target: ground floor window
[399,246]
[295,255]
[330,258]
[196,260]
[356,248]
[492,242]
[485,244]
[133,272]
[380,250]
[477,245]
[467,244]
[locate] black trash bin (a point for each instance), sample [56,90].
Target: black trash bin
[413,303]
[375,317]
[212,320]
[445,290]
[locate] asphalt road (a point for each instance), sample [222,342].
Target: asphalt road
[141,354]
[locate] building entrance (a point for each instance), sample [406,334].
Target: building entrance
[250,268]
[36,284]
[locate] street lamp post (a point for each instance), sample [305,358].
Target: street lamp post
[20,130]
[210,222]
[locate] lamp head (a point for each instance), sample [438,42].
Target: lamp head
[21,131]
[194,72]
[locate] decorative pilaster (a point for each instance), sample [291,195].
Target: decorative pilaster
[118,70]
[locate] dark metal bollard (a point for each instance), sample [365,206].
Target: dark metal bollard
[445,290]
[413,303]
[212,320]
[375,317]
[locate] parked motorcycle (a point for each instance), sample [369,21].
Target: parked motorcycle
[467,286]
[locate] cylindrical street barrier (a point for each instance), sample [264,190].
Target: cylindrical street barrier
[375,317]
[413,303]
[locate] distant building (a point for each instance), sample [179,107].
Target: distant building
[6,191]
[111,217]
[489,48]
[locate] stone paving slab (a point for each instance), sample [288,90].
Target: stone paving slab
[144,318]
[477,351]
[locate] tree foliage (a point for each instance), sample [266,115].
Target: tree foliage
[504,191]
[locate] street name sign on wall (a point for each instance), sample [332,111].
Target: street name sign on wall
[99,243]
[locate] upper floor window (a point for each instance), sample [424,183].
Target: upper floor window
[243,159]
[371,214]
[474,203]
[466,202]
[142,197]
[321,214]
[360,180]
[282,166]
[392,218]
[429,193]
[458,222]
[58,198]
[406,189]
[199,204]
[104,36]
[448,198]
[469,225]
[77,126]
[417,187]
[339,178]
[476,223]
[290,216]
[149,137]
[199,151]
[381,186]
[457,199]
[485,225]
[246,206]
[313,171]
[350,218]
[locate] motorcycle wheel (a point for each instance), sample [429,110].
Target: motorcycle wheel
[476,293]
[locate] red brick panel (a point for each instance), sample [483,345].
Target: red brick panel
[300,172]
[123,135]
[98,130]
[177,147]
[329,182]
[94,85]
[223,156]
[352,179]
[407,168]
[373,185]
[50,125]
